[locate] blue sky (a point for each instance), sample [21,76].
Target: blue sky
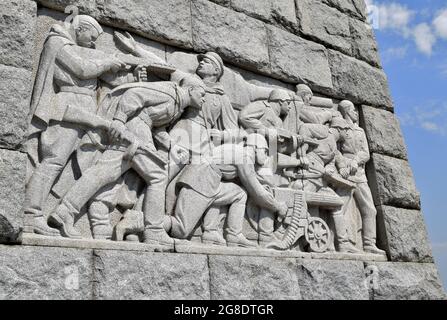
[412,37]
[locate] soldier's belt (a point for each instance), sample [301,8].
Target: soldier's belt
[78,90]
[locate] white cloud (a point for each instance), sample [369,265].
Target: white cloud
[424,38]
[431,117]
[440,24]
[395,52]
[390,16]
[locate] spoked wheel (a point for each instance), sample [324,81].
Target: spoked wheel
[317,235]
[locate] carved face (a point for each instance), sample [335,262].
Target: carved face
[353,114]
[86,36]
[307,98]
[207,68]
[261,156]
[197,95]
[285,106]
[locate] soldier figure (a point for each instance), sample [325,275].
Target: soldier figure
[351,165]
[67,77]
[140,108]
[212,184]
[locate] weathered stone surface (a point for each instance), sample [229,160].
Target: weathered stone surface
[237,37]
[167,21]
[406,235]
[358,81]
[136,276]
[330,279]
[15,94]
[222,2]
[383,131]
[363,42]
[393,182]
[281,11]
[356,8]
[249,278]
[406,281]
[325,24]
[12,194]
[17,24]
[295,59]
[45,273]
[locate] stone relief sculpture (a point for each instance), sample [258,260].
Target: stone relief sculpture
[173,156]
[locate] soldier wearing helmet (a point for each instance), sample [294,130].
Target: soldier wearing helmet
[212,184]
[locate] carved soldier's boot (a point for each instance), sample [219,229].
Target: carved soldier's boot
[239,240]
[341,234]
[372,248]
[37,224]
[63,218]
[158,237]
[370,234]
[213,237]
[347,247]
[266,239]
[102,232]
[132,223]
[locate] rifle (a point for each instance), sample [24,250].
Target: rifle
[155,67]
[285,134]
[77,115]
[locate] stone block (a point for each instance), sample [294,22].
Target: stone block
[393,182]
[17,26]
[12,194]
[273,11]
[252,278]
[405,234]
[405,281]
[332,280]
[358,81]
[355,8]
[294,59]
[168,21]
[15,94]
[325,24]
[240,39]
[154,276]
[34,273]
[383,131]
[364,45]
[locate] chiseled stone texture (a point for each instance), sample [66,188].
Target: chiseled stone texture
[297,59]
[393,182]
[332,280]
[249,278]
[15,94]
[406,235]
[17,25]
[166,21]
[236,36]
[39,273]
[281,11]
[12,194]
[325,24]
[358,81]
[364,45]
[355,8]
[155,276]
[406,281]
[383,131]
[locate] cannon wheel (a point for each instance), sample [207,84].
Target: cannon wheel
[317,235]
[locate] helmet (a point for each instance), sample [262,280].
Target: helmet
[302,88]
[256,140]
[278,95]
